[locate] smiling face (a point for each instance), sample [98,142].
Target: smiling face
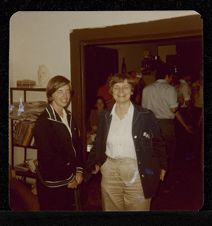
[122,92]
[61,97]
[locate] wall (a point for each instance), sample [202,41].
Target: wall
[42,38]
[38,38]
[133,54]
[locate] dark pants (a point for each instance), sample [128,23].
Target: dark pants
[168,132]
[55,199]
[185,141]
[198,131]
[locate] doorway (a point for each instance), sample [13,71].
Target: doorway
[84,41]
[99,62]
[175,31]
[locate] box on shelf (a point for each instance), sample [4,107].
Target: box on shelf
[25,83]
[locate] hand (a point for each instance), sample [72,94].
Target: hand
[72,184]
[162,174]
[189,129]
[79,177]
[96,170]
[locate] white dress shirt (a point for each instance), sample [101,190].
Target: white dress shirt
[119,141]
[65,121]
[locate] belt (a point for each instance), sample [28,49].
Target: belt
[120,159]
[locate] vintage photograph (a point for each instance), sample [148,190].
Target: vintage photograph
[106,111]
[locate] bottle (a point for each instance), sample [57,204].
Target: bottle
[123,67]
[20,107]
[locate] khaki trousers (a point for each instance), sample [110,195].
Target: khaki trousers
[121,186]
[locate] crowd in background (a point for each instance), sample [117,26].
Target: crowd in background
[190,105]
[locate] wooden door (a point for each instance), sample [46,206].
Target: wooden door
[99,62]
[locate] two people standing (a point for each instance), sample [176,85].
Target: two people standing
[128,150]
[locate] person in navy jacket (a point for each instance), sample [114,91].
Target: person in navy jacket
[59,149]
[129,151]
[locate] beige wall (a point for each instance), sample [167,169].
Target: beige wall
[133,54]
[43,37]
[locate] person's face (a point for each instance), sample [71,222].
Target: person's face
[61,96]
[122,91]
[99,104]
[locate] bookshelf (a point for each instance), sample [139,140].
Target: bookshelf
[22,124]
[31,111]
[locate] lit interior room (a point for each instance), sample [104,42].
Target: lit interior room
[87,47]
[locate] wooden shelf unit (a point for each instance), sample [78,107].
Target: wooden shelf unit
[13,145]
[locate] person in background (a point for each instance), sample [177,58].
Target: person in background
[138,89]
[57,140]
[197,100]
[184,139]
[197,112]
[147,63]
[93,119]
[103,91]
[184,91]
[128,150]
[161,98]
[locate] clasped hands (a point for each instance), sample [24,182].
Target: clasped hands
[76,181]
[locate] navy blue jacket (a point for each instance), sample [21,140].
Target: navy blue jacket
[149,146]
[59,153]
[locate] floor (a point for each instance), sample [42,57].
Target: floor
[182,192]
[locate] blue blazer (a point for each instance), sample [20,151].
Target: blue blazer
[59,153]
[149,146]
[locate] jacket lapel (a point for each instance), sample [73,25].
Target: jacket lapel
[52,113]
[135,116]
[108,118]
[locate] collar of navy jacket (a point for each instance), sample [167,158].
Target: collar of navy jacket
[53,115]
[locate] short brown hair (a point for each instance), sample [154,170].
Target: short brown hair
[116,78]
[54,84]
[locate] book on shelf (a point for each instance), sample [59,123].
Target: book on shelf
[31,110]
[24,122]
[32,143]
[23,133]
[29,134]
